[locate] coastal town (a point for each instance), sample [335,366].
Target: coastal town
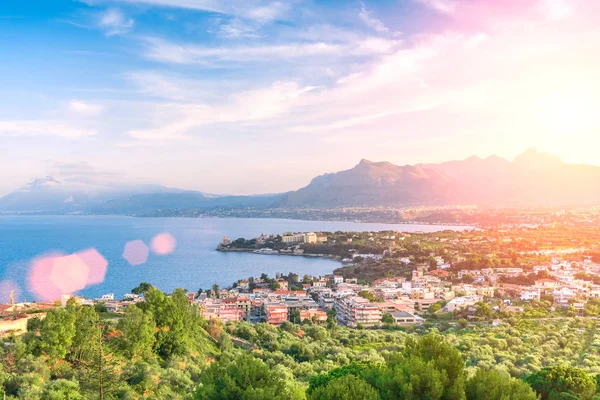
[392,278]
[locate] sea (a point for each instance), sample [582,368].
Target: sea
[192,264]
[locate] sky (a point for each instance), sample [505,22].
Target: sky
[260,96]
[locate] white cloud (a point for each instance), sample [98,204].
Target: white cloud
[164,51]
[371,21]
[236,28]
[442,6]
[252,9]
[44,128]
[114,22]
[85,109]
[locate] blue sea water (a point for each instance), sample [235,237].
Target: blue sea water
[193,264]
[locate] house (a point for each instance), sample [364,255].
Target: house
[17,326]
[460,303]
[338,279]
[319,315]
[283,284]
[530,294]
[405,319]
[277,313]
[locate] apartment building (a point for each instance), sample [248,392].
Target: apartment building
[355,310]
[277,314]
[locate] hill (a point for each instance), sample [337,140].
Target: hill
[531,179]
[376,183]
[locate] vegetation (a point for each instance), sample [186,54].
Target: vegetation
[162,348]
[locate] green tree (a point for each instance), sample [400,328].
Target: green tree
[347,387]
[412,379]
[216,290]
[387,318]
[86,331]
[61,389]
[552,382]
[138,333]
[142,288]
[245,377]
[56,333]
[494,385]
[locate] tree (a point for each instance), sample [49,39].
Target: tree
[61,389]
[551,382]
[295,317]
[483,310]
[142,288]
[387,318]
[437,353]
[494,385]
[84,340]
[216,290]
[412,379]
[56,333]
[245,377]
[138,333]
[169,317]
[365,294]
[347,387]
[436,307]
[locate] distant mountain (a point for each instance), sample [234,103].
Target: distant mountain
[376,183]
[49,195]
[149,203]
[533,179]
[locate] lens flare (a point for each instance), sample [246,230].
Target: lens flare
[69,273]
[39,279]
[163,244]
[96,263]
[136,252]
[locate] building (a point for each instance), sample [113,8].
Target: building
[459,303]
[338,279]
[319,315]
[310,237]
[352,311]
[283,284]
[15,327]
[277,313]
[530,294]
[241,303]
[405,319]
[293,238]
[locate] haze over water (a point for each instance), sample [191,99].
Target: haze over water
[193,264]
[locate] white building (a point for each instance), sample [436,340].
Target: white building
[530,294]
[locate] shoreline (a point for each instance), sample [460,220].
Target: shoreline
[373,221]
[324,256]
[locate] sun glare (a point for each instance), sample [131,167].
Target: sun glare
[568,113]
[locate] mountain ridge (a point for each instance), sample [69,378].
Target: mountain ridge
[532,178]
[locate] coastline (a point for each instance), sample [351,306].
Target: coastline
[383,221]
[253,251]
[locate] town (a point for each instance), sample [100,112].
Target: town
[396,279]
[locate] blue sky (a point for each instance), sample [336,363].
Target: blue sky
[260,96]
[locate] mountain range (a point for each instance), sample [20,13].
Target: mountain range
[532,179]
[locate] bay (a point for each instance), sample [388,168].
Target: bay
[192,265]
